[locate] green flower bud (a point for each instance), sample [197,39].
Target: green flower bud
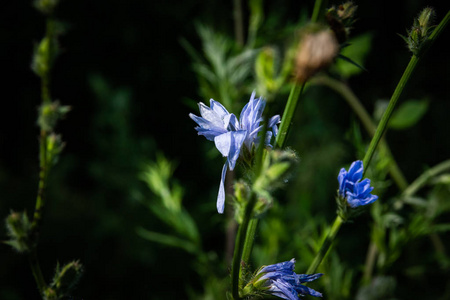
[66,278]
[46,6]
[50,113]
[19,230]
[422,28]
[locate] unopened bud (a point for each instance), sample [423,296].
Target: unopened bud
[316,52]
[422,28]
[340,19]
[66,277]
[19,231]
[46,6]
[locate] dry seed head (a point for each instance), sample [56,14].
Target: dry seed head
[316,52]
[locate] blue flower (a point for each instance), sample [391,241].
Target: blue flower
[280,280]
[229,134]
[351,187]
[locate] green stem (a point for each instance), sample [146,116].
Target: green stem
[239,246]
[348,95]
[248,245]
[238,22]
[36,270]
[291,105]
[325,245]
[382,126]
[318,10]
[423,179]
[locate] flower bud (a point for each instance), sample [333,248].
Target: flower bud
[19,231]
[340,19]
[50,113]
[66,277]
[422,28]
[316,52]
[46,6]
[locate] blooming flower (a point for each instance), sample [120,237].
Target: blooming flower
[229,134]
[351,187]
[280,280]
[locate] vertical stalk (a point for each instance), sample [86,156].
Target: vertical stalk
[239,246]
[318,9]
[325,245]
[291,105]
[382,126]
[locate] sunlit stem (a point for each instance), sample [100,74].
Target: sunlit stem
[288,114]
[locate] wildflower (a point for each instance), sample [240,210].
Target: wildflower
[355,191]
[230,135]
[280,280]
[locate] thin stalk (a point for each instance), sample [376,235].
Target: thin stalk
[382,126]
[353,101]
[423,179]
[238,22]
[248,245]
[318,9]
[36,270]
[239,246]
[291,105]
[325,245]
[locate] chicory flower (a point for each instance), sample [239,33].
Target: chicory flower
[280,280]
[357,192]
[230,134]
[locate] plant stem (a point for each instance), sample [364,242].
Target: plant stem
[423,179]
[318,10]
[291,105]
[239,246]
[248,245]
[348,95]
[325,245]
[37,273]
[238,22]
[382,126]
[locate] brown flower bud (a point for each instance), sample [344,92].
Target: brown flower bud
[316,52]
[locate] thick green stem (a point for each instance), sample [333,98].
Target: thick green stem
[288,114]
[239,246]
[325,245]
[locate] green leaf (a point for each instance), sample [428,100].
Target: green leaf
[356,52]
[168,240]
[408,114]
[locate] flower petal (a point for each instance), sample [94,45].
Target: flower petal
[221,195]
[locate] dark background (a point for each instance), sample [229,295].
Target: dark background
[126,76]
